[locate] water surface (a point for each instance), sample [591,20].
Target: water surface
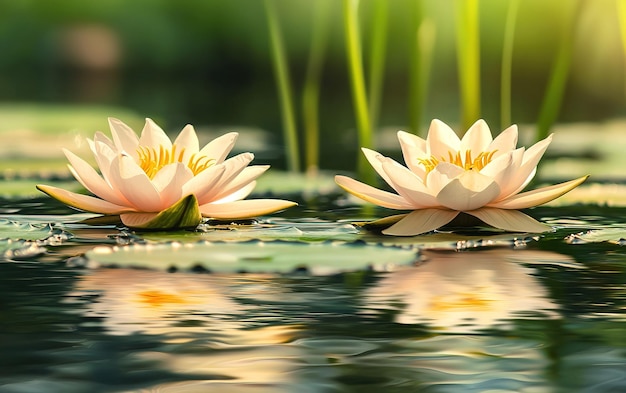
[484,313]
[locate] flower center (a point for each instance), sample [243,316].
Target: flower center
[152,160]
[465,161]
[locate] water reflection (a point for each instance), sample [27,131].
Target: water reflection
[464,292]
[200,333]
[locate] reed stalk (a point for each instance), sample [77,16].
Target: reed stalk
[421,66]
[377,56]
[283,83]
[357,82]
[312,81]
[507,64]
[468,60]
[557,81]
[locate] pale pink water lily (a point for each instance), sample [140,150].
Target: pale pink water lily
[151,182]
[445,175]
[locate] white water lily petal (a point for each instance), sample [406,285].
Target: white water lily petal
[505,142]
[528,168]
[219,147]
[421,221]
[238,195]
[135,185]
[232,168]
[83,202]
[124,138]
[539,196]
[153,136]
[509,220]
[187,141]
[169,182]
[408,185]
[469,191]
[372,194]
[477,138]
[244,209]
[376,161]
[443,174]
[413,148]
[92,181]
[203,184]
[441,139]
[247,175]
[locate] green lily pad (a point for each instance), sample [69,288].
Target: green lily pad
[607,235]
[253,257]
[10,229]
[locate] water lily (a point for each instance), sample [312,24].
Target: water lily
[152,182]
[445,175]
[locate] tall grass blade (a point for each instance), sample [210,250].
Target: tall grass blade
[377,55]
[621,13]
[468,58]
[551,104]
[283,82]
[312,81]
[419,76]
[357,81]
[507,64]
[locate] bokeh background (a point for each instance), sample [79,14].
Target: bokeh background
[67,64]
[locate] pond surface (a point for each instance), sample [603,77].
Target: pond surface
[470,311]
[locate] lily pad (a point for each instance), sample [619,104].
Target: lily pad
[607,235]
[252,257]
[10,229]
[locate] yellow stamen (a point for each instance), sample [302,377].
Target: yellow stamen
[464,161]
[152,160]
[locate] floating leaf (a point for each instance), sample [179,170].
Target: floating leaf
[608,235]
[10,229]
[254,257]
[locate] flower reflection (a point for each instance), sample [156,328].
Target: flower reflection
[212,340]
[466,291]
[157,303]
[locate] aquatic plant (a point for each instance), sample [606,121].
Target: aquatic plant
[446,175]
[153,183]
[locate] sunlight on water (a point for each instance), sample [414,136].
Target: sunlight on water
[539,315]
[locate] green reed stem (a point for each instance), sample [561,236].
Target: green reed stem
[357,80]
[377,58]
[621,13]
[311,89]
[468,58]
[419,75]
[283,82]
[507,64]
[557,80]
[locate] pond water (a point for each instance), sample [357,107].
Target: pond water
[469,311]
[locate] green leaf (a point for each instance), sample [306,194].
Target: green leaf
[253,257]
[607,235]
[183,214]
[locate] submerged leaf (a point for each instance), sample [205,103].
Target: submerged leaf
[254,257]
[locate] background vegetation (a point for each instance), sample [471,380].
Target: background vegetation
[209,62]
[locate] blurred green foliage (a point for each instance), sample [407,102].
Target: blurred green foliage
[209,61]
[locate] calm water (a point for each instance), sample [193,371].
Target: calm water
[503,315]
